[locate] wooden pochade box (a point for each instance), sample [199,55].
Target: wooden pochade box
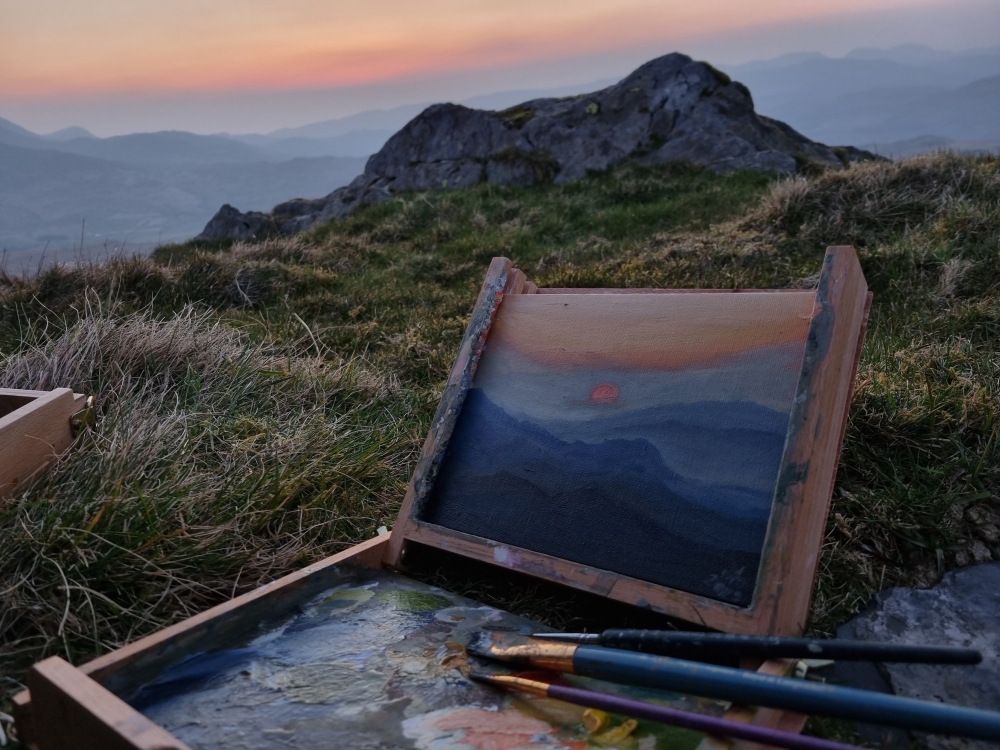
[35,428]
[555,412]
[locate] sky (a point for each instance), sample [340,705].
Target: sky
[116,66]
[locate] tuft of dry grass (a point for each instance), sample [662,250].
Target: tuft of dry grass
[218,464]
[872,199]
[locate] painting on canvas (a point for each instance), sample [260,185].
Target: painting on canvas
[636,433]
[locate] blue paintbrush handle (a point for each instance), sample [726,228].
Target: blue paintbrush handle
[752,688]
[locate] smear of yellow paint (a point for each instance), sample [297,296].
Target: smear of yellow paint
[594,720]
[616,735]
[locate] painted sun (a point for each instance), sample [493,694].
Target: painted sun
[604,393]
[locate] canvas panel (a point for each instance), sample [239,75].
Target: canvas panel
[640,434]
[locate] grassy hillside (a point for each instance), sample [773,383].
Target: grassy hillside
[262,404]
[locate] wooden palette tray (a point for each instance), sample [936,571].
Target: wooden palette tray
[207,680]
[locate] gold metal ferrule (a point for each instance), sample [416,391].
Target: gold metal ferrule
[555,656]
[521,684]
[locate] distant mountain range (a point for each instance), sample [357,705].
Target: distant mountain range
[140,189]
[898,101]
[149,188]
[146,188]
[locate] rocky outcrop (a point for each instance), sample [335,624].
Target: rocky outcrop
[230,223]
[670,109]
[962,610]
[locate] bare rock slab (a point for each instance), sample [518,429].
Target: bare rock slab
[963,610]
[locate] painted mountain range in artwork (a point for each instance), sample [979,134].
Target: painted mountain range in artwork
[614,505]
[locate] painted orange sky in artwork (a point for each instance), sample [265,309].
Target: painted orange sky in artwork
[69,46]
[647,331]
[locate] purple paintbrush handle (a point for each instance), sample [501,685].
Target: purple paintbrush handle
[689,720]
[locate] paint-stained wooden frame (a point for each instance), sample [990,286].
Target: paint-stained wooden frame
[818,419]
[35,428]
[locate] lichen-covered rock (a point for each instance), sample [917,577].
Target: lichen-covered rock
[963,610]
[670,109]
[231,223]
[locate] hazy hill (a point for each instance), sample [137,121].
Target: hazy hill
[142,189]
[893,114]
[68,134]
[879,98]
[366,132]
[164,147]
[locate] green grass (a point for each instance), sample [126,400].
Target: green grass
[262,404]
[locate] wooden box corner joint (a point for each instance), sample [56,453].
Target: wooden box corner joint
[36,427]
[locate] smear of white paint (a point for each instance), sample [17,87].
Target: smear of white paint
[504,556]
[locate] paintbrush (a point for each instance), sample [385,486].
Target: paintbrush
[662,714]
[709,645]
[741,686]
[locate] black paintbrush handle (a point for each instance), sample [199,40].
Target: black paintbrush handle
[692,645]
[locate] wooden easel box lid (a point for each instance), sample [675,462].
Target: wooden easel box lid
[35,428]
[837,316]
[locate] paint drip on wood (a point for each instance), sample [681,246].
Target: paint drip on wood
[374,663]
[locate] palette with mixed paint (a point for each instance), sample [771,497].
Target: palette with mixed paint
[375,662]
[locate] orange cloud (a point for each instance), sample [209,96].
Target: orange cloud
[120,45]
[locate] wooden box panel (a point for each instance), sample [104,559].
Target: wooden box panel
[34,430]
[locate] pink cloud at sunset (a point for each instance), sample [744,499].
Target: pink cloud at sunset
[102,46]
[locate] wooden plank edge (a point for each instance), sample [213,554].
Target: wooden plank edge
[368,554]
[516,281]
[24,719]
[629,290]
[39,403]
[25,393]
[33,436]
[73,712]
[692,608]
[852,301]
[802,494]
[456,387]
[865,314]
